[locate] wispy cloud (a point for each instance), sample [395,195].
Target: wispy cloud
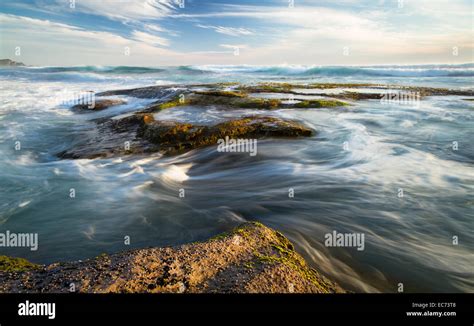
[374,33]
[233,46]
[59,42]
[127,10]
[231,31]
[149,39]
[140,15]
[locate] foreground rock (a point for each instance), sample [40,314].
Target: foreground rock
[250,259]
[145,135]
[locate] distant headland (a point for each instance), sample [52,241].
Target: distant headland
[8,62]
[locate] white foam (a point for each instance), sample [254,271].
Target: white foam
[137,169]
[25,203]
[177,173]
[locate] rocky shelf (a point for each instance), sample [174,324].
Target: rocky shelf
[146,135]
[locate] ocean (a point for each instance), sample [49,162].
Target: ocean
[425,150]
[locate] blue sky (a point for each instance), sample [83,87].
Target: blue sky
[268,32]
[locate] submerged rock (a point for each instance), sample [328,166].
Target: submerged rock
[250,259]
[158,92]
[110,137]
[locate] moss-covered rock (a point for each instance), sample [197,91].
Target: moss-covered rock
[269,88]
[176,137]
[341,85]
[230,99]
[12,264]
[251,258]
[222,93]
[319,103]
[172,103]
[260,103]
[358,96]
[146,135]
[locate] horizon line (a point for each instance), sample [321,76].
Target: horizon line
[250,65]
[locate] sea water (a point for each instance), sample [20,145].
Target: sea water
[388,171]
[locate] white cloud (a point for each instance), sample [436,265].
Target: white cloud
[20,26]
[149,39]
[233,46]
[63,44]
[317,35]
[135,14]
[127,10]
[231,31]
[119,10]
[48,43]
[153,28]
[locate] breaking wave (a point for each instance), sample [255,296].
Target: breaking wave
[464,70]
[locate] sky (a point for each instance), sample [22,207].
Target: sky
[267,32]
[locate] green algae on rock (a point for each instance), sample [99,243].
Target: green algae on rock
[231,99]
[169,137]
[341,85]
[319,104]
[172,103]
[175,137]
[251,258]
[222,93]
[268,88]
[260,103]
[12,264]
